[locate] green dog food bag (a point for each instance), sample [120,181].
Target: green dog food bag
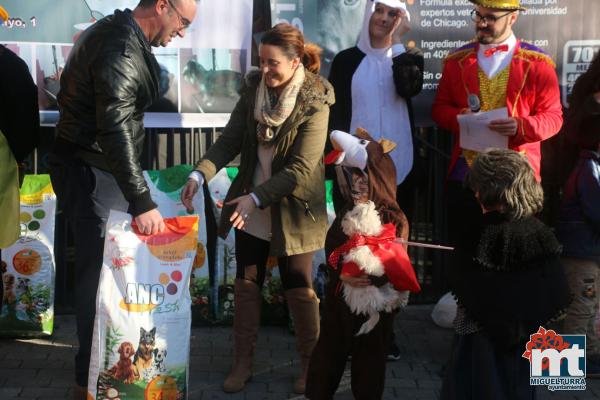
[28,268]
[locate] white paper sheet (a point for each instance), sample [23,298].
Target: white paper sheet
[475,134]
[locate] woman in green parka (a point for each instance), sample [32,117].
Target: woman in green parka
[277,201]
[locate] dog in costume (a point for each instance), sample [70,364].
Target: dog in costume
[370,273]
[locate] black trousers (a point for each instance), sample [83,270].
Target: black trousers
[337,341]
[295,271]
[85,195]
[479,369]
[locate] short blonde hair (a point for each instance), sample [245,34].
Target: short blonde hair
[503,179]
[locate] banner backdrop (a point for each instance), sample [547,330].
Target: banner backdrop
[200,73]
[569,30]
[332,24]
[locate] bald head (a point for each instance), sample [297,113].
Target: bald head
[152,3]
[163,20]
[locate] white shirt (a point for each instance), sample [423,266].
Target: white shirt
[499,60]
[376,106]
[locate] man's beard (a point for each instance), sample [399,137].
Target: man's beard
[491,37]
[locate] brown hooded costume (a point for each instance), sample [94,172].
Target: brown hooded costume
[343,330]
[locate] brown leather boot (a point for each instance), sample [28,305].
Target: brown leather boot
[246,321]
[304,307]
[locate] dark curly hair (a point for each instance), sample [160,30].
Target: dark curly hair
[503,179]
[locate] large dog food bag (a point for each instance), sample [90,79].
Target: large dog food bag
[140,348]
[28,268]
[165,188]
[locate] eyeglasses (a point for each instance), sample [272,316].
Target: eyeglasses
[487,19]
[183,21]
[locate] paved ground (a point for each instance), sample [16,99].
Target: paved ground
[43,369]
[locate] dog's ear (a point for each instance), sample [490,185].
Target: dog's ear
[142,331]
[363,134]
[387,145]
[155,352]
[153,331]
[165,352]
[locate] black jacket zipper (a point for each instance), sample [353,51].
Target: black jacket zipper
[307,211]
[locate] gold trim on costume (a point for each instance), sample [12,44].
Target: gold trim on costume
[531,55]
[514,107]
[462,54]
[492,92]
[500,4]
[462,69]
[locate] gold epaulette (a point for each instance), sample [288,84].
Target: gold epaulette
[531,53]
[461,52]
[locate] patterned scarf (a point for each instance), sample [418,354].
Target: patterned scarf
[270,116]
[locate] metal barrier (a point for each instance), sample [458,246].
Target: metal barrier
[173,146]
[428,219]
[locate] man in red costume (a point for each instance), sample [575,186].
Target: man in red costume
[501,71]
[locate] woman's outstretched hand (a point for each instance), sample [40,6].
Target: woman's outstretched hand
[244,207]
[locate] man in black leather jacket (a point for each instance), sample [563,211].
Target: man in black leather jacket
[110,79]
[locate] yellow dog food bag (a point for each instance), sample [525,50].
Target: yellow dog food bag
[140,348]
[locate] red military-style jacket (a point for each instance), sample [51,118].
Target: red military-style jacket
[532,97]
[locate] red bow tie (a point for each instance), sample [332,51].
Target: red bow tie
[489,52]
